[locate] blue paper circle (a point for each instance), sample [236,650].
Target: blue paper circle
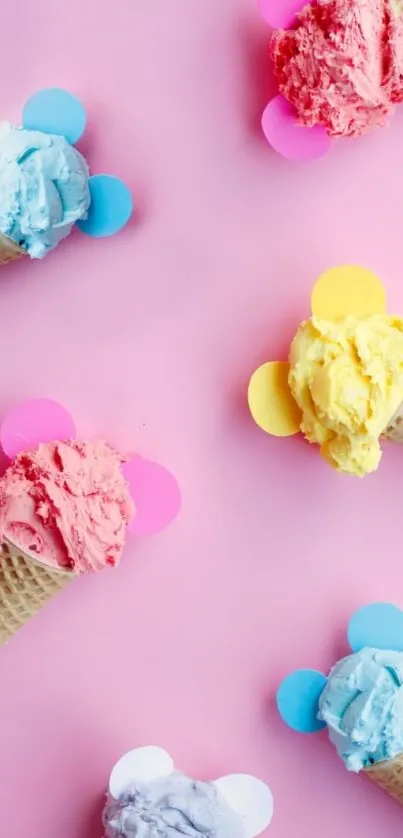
[111,206]
[55,111]
[297,700]
[379,625]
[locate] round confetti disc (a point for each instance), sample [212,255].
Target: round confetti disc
[378,625]
[290,139]
[110,209]
[347,289]
[270,401]
[32,422]
[155,493]
[55,111]
[280,14]
[297,700]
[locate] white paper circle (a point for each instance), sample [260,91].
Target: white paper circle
[251,798]
[139,766]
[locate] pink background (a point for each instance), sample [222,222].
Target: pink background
[149,339]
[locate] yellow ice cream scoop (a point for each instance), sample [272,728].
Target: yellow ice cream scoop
[342,385]
[346,376]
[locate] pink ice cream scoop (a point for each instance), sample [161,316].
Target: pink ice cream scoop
[71,504]
[68,507]
[341,64]
[68,504]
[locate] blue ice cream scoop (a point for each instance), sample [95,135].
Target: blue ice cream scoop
[44,188]
[172,806]
[362,705]
[360,702]
[45,184]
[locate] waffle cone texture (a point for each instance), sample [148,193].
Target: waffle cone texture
[25,587]
[388,775]
[9,251]
[394,430]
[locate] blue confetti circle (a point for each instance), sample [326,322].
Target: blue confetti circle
[297,700]
[378,625]
[55,111]
[111,206]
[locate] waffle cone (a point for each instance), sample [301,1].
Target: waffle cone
[388,775]
[394,430]
[9,251]
[25,587]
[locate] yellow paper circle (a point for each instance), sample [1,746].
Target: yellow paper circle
[346,290]
[270,401]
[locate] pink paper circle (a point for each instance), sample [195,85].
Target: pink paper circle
[33,422]
[288,138]
[155,493]
[280,14]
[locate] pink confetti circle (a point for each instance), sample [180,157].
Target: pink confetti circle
[32,422]
[280,14]
[155,494]
[288,138]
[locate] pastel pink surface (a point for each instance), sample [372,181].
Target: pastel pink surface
[150,338]
[280,14]
[155,493]
[31,422]
[285,135]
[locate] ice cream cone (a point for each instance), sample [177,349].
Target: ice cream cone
[9,251]
[25,587]
[388,775]
[394,430]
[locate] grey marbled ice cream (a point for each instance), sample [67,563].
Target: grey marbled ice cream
[170,807]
